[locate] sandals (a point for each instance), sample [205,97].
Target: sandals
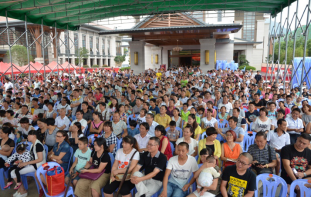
[17,186]
[8,185]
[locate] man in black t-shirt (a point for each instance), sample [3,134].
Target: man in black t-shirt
[296,159]
[154,164]
[238,180]
[252,114]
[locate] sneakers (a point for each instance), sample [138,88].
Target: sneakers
[23,195]
[16,193]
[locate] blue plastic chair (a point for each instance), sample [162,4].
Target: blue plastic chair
[3,173]
[304,191]
[46,151]
[202,136]
[92,138]
[132,118]
[247,141]
[223,124]
[270,183]
[246,110]
[119,143]
[41,171]
[36,127]
[86,130]
[71,153]
[177,128]
[111,158]
[172,148]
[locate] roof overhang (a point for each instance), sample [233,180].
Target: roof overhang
[233,28]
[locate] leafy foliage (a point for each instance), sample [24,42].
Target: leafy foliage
[124,68]
[81,54]
[247,67]
[19,53]
[119,59]
[290,49]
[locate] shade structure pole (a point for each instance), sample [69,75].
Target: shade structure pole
[42,50]
[279,53]
[68,52]
[272,69]
[286,44]
[305,47]
[294,47]
[267,67]
[9,43]
[56,47]
[28,54]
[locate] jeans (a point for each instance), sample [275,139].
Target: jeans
[174,191]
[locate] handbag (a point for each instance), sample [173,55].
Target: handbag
[125,175]
[92,176]
[55,180]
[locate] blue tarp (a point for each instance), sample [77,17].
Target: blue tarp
[297,75]
[223,64]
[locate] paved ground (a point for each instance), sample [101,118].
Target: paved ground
[32,191]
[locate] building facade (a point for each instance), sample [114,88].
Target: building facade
[102,49]
[61,48]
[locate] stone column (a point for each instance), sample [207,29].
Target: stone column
[137,46]
[207,44]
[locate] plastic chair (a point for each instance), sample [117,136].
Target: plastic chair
[46,151]
[248,140]
[25,182]
[132,118]
[86,130]
[111,158]
[223,124]
[270,183]
[36,127]
[203,135]
[245,109]
[5,173]
[92,138]
[119,143]
[172,148]
[304,191]
[41,171]
[71,154]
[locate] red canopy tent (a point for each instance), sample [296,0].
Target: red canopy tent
[35,68]
[5,68]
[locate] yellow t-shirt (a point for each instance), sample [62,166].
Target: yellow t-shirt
[164,121]
[159,75]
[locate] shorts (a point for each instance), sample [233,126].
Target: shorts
[84,186]
[76,178]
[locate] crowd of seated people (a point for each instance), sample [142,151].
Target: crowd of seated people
[173,133]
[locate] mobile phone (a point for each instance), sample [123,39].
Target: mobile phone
[257,164]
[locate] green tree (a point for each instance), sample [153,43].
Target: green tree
[119,59]
[19,53]
[82,54]
[242,59]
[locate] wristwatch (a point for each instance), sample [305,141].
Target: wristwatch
[304,174]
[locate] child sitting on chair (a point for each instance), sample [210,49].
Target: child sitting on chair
[21,156]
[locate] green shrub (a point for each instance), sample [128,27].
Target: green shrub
[105,65]
[86,66]
[124,68]
[96,66]
[247,67]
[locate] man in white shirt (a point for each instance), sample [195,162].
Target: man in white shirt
[152,124]
[63,105]
[225,103]
[143,137]
[8,85]
[62,122]
[183,99]
[79,116]
[295,125]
